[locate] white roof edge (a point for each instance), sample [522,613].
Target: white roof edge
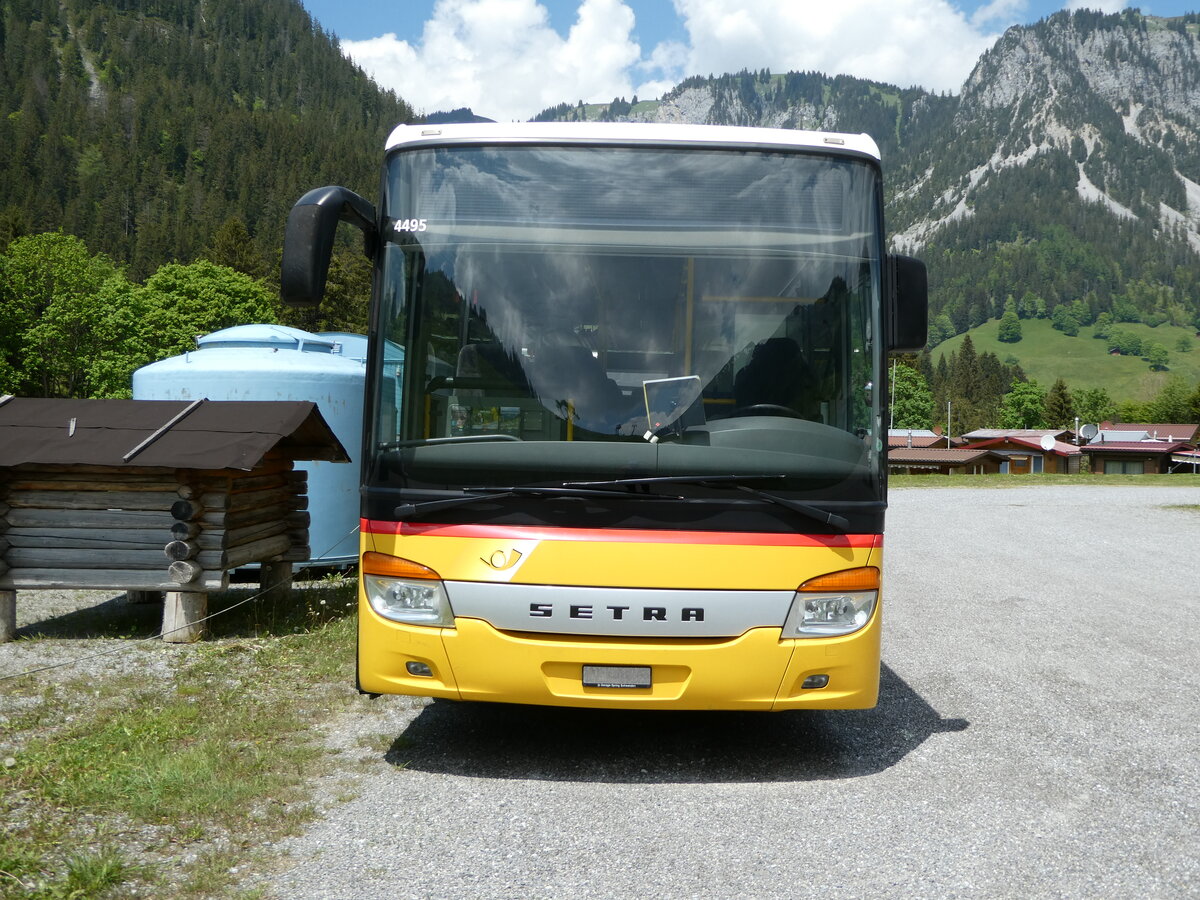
[626,132]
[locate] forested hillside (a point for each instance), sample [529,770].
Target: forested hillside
[143,126]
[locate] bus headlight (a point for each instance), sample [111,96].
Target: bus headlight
[404,591]
[834,604]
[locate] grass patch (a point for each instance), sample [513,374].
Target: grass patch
[159,786]
[1011,481]
[1083,361]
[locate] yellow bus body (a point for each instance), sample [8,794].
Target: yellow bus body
[756,670]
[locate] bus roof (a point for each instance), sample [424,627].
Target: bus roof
[626,133]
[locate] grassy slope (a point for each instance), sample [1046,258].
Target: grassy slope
[1084,362]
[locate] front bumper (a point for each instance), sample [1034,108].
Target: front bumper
[754,671]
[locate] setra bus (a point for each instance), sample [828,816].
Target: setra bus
[635,454]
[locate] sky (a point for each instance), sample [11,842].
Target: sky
[510,59]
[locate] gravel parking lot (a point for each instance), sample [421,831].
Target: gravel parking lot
[1036,737]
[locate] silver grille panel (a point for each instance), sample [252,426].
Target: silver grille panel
[628,612]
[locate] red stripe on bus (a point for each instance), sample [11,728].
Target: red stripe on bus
[630,536]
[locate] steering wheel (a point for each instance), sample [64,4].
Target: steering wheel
[767,409]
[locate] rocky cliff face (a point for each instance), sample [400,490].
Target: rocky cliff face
[713,104]
[1121,59]
[1110,103]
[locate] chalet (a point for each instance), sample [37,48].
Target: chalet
[1129,448]
[1028,451]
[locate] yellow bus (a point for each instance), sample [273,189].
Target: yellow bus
[625,439]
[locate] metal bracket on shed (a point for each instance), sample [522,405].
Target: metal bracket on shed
[163,429]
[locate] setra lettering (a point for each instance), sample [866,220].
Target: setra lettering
[617,613]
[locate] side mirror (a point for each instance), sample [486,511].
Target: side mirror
[308,240]
[907,323]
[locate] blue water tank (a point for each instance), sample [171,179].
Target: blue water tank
[275,362]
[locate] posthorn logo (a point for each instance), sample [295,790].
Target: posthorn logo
[501,560]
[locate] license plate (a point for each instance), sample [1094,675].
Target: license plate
[616,676]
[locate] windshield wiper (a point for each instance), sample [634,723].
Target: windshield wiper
[457,439]
[475,494]
[823,516]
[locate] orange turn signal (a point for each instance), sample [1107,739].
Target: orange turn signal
[863,579]
[394,566]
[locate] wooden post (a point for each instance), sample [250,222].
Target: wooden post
[275,580]
[8,615]
[182,612]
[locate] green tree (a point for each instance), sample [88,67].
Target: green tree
[1060,408]
[1173,402]
[941,328]
[1157,355]
[186,302]
[232,247]
[912,404]
[123,345]
[1131,411]
[1010,327]
[52,311]
[1193,407]
[1064,320]
[1094,405]
[1024,406]
[1124,342]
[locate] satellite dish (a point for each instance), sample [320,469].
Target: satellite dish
[1047,442]
[1087,432]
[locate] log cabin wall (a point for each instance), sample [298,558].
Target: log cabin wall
[78,512]
[147,529]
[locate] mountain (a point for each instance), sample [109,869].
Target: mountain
[454,116]
[145,126]
[1065,173]
[1072,175]
[1061,183]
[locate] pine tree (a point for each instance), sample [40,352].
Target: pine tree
[231,247]
[1060,409]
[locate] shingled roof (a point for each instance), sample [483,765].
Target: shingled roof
[913,456]
[202,434]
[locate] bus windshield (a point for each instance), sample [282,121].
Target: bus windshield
[575,314]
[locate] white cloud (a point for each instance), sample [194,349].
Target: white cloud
[502,58]
[905,42]
[1000,12]
[1104,6]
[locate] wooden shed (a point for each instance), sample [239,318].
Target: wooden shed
[153,495]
